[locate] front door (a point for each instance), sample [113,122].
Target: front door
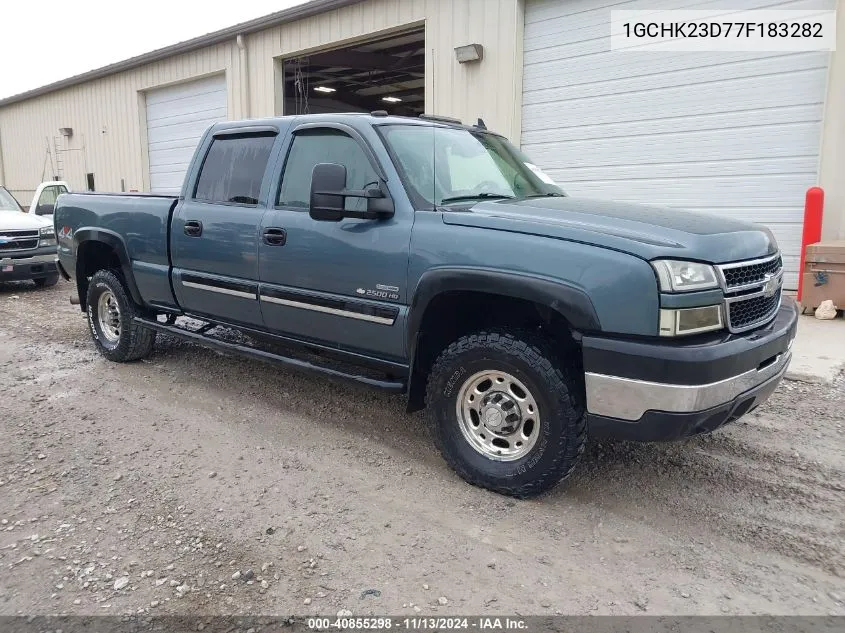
[340,283]
[215,233]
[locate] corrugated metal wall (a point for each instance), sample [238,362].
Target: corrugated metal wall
[107,115]
[489,89]
[107,118]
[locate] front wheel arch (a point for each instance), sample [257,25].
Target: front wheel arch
[522,301]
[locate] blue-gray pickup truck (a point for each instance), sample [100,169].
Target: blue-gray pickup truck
[434,259]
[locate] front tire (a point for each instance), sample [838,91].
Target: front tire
[507,413]
[111,318]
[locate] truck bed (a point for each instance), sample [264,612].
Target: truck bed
[140,220]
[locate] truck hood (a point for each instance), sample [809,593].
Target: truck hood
[17,221]
[648,232]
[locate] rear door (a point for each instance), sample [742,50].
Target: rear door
[215,232]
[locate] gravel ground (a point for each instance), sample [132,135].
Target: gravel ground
[193,483]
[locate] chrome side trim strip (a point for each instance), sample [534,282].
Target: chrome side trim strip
[327,310]
[629,399]
[224,291]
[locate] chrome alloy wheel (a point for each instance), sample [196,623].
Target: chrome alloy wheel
[108,317]
[498,416]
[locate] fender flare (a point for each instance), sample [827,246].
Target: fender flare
[118,245]
[571,302]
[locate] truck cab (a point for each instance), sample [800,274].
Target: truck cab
[27,245]
[45,197]
[436,260]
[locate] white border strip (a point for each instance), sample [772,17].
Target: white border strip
[696,30]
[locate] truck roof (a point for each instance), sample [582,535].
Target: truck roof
[351,118]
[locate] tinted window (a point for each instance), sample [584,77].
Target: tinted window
[324,146]
[233,169]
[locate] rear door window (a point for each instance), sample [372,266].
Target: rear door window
[233,169]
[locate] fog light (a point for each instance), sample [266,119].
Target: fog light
[690,320]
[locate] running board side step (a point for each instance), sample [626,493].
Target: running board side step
[268,357]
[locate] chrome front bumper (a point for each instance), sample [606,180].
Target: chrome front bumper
[629,399]
[27,261]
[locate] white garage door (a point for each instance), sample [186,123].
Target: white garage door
[177,116]
[735,134]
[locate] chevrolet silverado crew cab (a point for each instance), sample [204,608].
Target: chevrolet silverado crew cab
[436,260]
[27,245]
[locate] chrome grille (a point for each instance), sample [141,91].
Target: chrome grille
[752,291]
[743,274]
[18,240]
[749,312]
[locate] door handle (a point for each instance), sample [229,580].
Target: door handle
[275,237]
[193,228]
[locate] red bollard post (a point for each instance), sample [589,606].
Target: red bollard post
[813,209]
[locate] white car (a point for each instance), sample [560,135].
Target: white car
[27,242]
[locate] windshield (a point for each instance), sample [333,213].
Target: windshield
[444,166]
[8,202]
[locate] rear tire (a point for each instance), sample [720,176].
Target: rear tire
[507,413]
[111,318]
[46,282]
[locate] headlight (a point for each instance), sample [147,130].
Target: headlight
[690,320]
[48,236]
[675,276]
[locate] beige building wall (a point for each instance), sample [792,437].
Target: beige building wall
[108,119]
[832,159]
[107,115]
[490,89]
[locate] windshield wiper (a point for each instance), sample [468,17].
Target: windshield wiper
[478,196]
[550,194]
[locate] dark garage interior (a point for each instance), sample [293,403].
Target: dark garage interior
[384,74]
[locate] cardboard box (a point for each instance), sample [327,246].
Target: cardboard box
[824,274]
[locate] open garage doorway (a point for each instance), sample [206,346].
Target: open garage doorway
[380,74]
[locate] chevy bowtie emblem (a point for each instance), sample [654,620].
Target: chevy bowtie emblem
[770,286]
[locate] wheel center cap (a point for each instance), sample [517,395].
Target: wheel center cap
[493,418]
[499,413]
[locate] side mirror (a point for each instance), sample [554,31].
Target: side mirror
[329,193]
[327,178]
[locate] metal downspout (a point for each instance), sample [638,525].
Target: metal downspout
[246,112]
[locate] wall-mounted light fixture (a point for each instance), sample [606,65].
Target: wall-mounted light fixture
[469,53]
[66,131]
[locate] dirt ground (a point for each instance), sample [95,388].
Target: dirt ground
[196,483]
